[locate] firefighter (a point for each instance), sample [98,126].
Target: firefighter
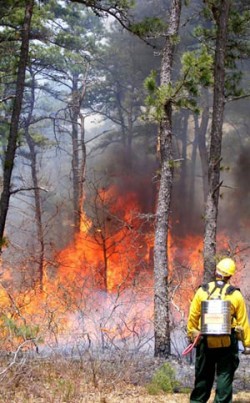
[218,355]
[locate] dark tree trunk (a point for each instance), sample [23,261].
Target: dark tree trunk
[202,130]
[37,191]
[74,112]
[211,210]
[184,185]
[161,297]
[191,190]
[14,125]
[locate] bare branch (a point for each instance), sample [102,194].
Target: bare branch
[7,98]
[27,189]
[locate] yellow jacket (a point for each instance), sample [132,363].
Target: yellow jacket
[238,310]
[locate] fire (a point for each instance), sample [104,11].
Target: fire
[112,254]
[101,288]
[109,248]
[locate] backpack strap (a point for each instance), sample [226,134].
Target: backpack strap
[230,289]
[217,284]
[205,287]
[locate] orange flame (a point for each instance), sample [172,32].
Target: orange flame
[105,278]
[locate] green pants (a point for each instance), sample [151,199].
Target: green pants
[221,362]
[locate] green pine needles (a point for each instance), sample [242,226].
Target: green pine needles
[164,380]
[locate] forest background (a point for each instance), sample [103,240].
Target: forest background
[77,253]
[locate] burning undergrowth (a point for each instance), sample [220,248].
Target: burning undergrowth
[98,291]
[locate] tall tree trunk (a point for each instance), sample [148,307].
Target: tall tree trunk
[74,111]
[78,148]
[35,180]
[161,297]
[191,191]
[221,15]
[202,130]
[82,166]
[14,125]
[183,185]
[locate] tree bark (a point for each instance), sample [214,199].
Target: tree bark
[211,210]
[78,149]
[74,114]
[37,191]
[202,130]
[14,125]
[161,297]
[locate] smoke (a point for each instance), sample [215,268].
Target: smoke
[131,171]
[241,178]
[234,202]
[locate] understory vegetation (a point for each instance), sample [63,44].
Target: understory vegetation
[121,377]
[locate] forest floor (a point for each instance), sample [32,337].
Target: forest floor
[119,379]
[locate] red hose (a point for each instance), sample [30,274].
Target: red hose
[190,347]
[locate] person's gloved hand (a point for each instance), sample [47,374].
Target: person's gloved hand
[193,335]
[246,350]
[239,332]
